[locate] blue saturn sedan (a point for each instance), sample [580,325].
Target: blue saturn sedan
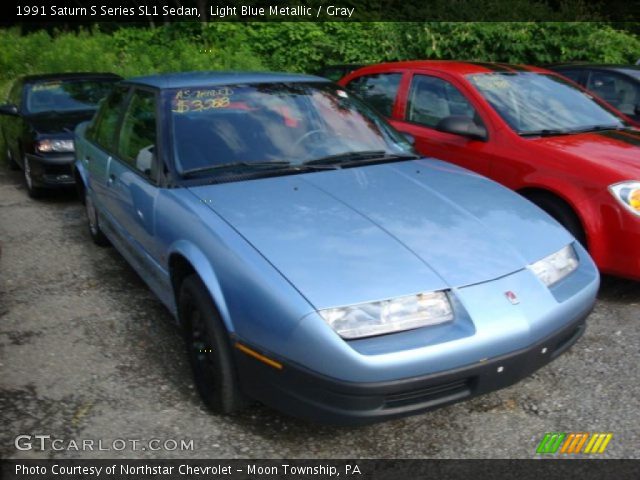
[315,263]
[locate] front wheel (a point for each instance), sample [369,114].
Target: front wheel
[209,349]
[32,190]
[563,214]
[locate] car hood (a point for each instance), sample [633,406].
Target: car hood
[619,150]
[56,123]
[368,233]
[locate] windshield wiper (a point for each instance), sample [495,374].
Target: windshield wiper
[597,128]
[545,132]
[360,158]
[550,132]
[192,172]
[252,166]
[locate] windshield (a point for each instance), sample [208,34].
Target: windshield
[274,124]
[66,95]
[532,103]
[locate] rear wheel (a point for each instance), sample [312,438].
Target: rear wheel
[93,221]
[562,213]
[209,349]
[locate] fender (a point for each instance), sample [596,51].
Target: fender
[204,269]
[78,167]
[81,172]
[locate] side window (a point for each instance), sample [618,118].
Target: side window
[432,99]
[616,90]
[378,90]
[137,139]
[103,128]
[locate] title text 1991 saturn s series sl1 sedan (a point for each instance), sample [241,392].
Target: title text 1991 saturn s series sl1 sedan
[315,263]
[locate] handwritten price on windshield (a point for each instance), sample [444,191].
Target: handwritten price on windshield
[184,106]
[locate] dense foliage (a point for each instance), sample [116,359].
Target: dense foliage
[305,46]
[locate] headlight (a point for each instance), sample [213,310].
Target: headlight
[46,146]
[555,267]
[387,316]
[628,194]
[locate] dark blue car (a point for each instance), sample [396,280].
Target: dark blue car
[313,260]
[37,123]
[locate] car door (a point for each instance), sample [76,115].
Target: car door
[132,178]
[617,90]
[426,101]
[97,152]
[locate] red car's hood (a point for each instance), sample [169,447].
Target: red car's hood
[617,149]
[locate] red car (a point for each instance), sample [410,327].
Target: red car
[529,129]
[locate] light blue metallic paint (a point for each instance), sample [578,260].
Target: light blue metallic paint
[417,231]
[499,328]
[272,251]
[304,231]
[263,299]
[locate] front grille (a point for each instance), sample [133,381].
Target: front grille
[434,394]
[57,169]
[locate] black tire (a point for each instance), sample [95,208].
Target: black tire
[93,222]
[209,349]
[11,162]
[32,190]
[562,213]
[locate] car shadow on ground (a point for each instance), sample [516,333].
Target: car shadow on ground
[619,290]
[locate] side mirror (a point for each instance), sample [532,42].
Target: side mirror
[8,109]
[461,125]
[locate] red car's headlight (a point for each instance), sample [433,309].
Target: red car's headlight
[628,194]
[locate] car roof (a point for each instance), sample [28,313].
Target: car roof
[70,75]
[604,66]
[456,66]
[197,79]
[344,65]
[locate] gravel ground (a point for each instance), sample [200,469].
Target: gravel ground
[87,352]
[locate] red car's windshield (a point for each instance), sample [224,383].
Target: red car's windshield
[533,102]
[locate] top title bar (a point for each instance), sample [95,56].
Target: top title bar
[141,11]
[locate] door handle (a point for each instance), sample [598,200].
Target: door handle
[111,180]
[87,158]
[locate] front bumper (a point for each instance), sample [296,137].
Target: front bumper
[51,171]
[614,238]
[302,393]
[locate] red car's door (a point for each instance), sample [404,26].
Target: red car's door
[424,100]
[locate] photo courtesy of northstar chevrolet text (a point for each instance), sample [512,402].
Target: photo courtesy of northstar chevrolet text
[307,232]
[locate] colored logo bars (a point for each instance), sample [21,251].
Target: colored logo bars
[573,443]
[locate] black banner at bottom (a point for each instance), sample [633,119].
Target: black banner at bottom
[307,469]
[319,469]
